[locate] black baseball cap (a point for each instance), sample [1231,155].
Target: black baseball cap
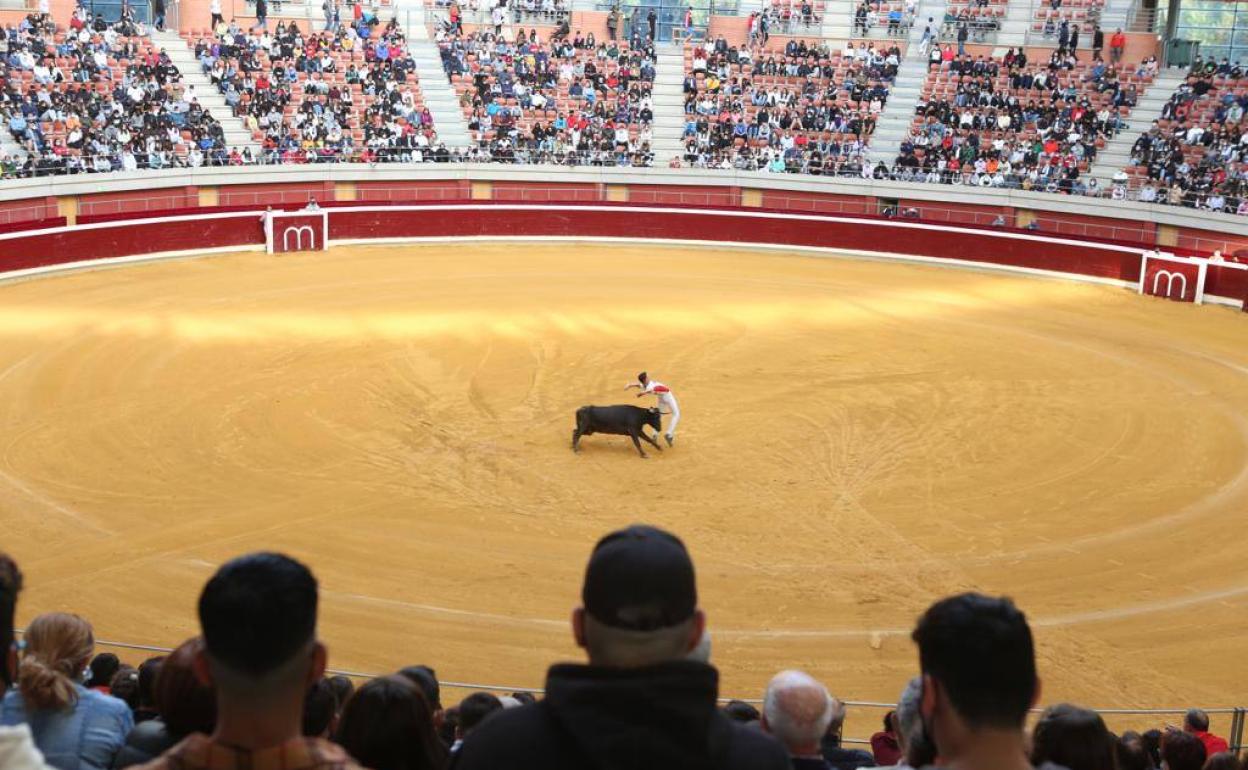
[641,579]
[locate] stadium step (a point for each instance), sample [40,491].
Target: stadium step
[1117,154]
[435,86]
[893,123]
[8,144]
[668,104]
[183,57]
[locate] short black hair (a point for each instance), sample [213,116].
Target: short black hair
[319,707]
[1072,737]
[425,678]
[103,668]
[10,587]
[740,711]
[257,611]
[148,671]
[979,648]
[343,689]
[1182,751]
[475,708]
[525,698]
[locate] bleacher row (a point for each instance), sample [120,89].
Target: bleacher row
[94,98]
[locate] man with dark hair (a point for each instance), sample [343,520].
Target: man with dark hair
[472,712]
[979,679]
[1182,751]
[1196,722]
[17,745]
[426,680]
[260,653]
[148,671]
[639,701]
[320,708]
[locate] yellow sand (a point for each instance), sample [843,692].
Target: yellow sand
[858,439]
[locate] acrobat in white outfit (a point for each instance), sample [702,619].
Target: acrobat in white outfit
[667,401]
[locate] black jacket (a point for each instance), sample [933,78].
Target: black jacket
[146,741]
[596,718]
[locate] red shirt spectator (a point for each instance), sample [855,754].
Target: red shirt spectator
[1213,744]
[1118,40]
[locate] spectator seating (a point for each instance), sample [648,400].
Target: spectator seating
[893,18]
[1008,122]
[98,97]
[1082,13]
[794,16]
[531,101]
[324,96]
[800,109]
[1195,152]
[982,17]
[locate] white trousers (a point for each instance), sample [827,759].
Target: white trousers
[668,406]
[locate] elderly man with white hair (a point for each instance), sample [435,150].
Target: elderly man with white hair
[797,711]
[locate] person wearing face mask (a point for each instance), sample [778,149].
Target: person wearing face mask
[75,728]
[978,665]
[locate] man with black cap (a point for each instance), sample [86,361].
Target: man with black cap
[640,702]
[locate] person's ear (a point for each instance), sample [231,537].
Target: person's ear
[578,627]
[320,659]
[927,703]
[201,667]
[699,628]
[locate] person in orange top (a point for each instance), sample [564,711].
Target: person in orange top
[1117,42]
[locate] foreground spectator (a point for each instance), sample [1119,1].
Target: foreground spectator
[388,725]
[1131,754]
[912,740]
[885,745]
[184,705]
[1072,737]
[838,757]
[75,728]
[148,671]
[1196,722]
[797,710]
[1182,751]
[258,615]
[17,747]
[320,708]
[473,710]
[103,668]
[639,701]
[979,679]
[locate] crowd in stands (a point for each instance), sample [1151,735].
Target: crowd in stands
[98,97]
[805,109]
[251,692]
[348,93]
[1014,123]
[571,101]
[1194,155]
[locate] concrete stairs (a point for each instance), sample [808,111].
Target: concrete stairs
[893,124]
[448,119]
[183,57]
[1014,27]
[838,22]
[1117,154]
[668,104]
[9,145]
[1115,16]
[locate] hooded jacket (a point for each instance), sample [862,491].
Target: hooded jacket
[599,718]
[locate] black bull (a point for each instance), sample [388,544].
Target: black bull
[621,420]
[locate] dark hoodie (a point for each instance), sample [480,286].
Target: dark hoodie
[598,718]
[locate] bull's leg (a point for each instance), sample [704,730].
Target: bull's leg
[637,443]
[646,436]
[576,439]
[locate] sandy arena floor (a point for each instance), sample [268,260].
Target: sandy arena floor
[858,439]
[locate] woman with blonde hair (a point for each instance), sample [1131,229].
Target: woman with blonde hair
[75,728]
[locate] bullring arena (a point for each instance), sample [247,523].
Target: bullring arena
[877,413]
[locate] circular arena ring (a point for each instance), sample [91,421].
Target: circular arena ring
[388,391]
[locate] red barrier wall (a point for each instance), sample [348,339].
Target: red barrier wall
[125,237]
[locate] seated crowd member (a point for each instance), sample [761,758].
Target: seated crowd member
[75,728]
[639,701]
[261,654]
[17,745]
